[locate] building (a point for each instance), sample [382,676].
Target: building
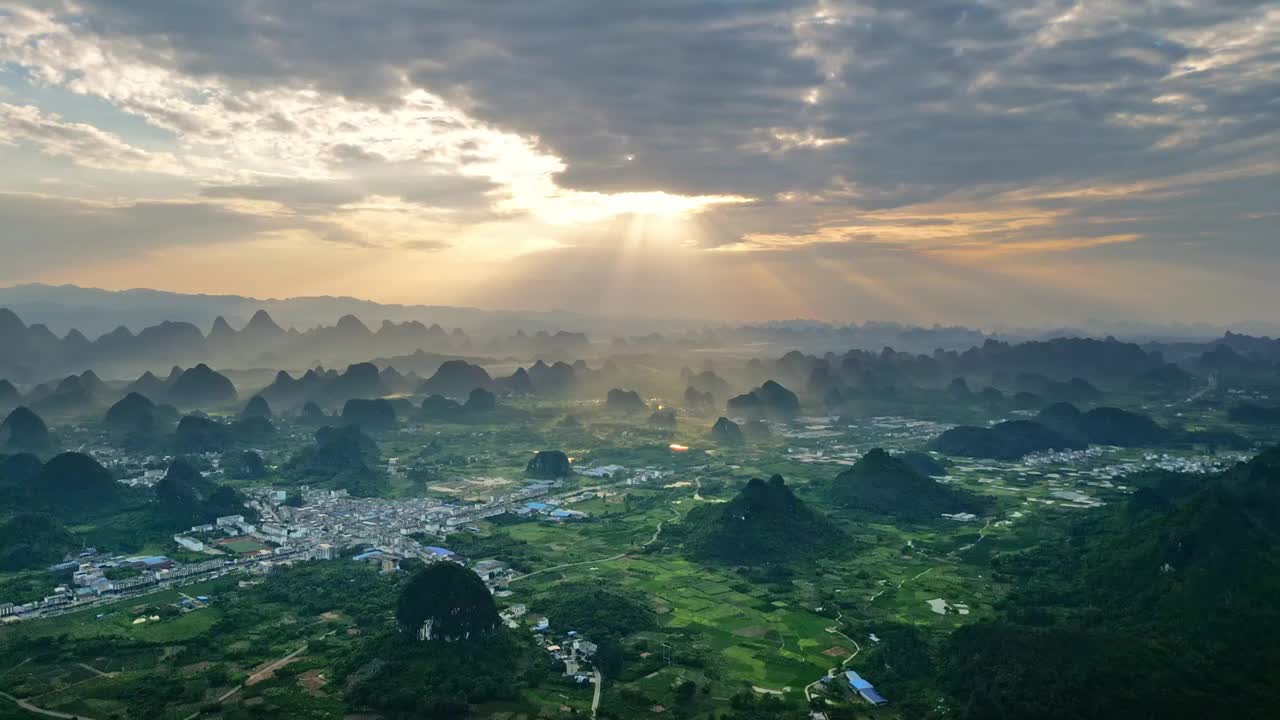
[189,543]
[229,520]
[863,689]
[438,553]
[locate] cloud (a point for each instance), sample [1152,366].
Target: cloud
[43,232]
[80,143]
[945,132]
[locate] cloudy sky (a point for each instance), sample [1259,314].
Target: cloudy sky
[1012,161]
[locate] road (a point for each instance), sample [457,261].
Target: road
[900,584]
[254,678]
[595,700]
[568,565]
[42,711]
[834,630]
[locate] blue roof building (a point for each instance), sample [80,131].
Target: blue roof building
[863,688]
[536,505]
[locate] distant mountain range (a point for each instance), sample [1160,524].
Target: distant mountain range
[34,353]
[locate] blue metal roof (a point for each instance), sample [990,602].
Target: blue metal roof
[438,550]
[871,696]
[856,681]
[536,505]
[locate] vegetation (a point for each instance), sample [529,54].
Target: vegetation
[549,465]
[341,458]
[885,485]
[765,524]
[446,602]
[1003,441]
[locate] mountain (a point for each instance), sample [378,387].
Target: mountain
[884,485]
[9,395]
[438,408]
[626,401]
[75,394]
[924,463]
[1122,428]
[698,401]
[480,401]
[148,385]
[244,465]
[518,383]
[456,378]
[726,432]
[133,414]
[769,401]
[22,430]
[30,540]
[372,415]
[198,434]
[549,465]
[1009,440]
[201,386]
[555,380]
[1150,608]
[341,459]
[764,524]
[187,498]
[74,482]
[312,414]
[257,407]
[706,382]
[446,602]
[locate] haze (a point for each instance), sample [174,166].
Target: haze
[1036,163]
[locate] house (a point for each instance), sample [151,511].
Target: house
[863,689]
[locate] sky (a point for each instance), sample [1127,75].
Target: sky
[1027,162]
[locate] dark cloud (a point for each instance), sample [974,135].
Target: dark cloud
[931,97]
[44,233]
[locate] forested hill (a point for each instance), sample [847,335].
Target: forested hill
[765,524]
[1154,609]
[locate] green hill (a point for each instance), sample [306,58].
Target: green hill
[446,602]
[1004,441]
[882,484]
[23,430]
[764,524]
[342,459]
[549,465]
[75,482]
[188,498]
[31,540]
[133,414]
[1153,608]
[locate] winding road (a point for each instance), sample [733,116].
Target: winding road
[42,711]
[834,630]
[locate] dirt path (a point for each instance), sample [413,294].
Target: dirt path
[901,583]
[595,699]
[568,565]
[94,670]
[834,630]
[261,675]
[42,711]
